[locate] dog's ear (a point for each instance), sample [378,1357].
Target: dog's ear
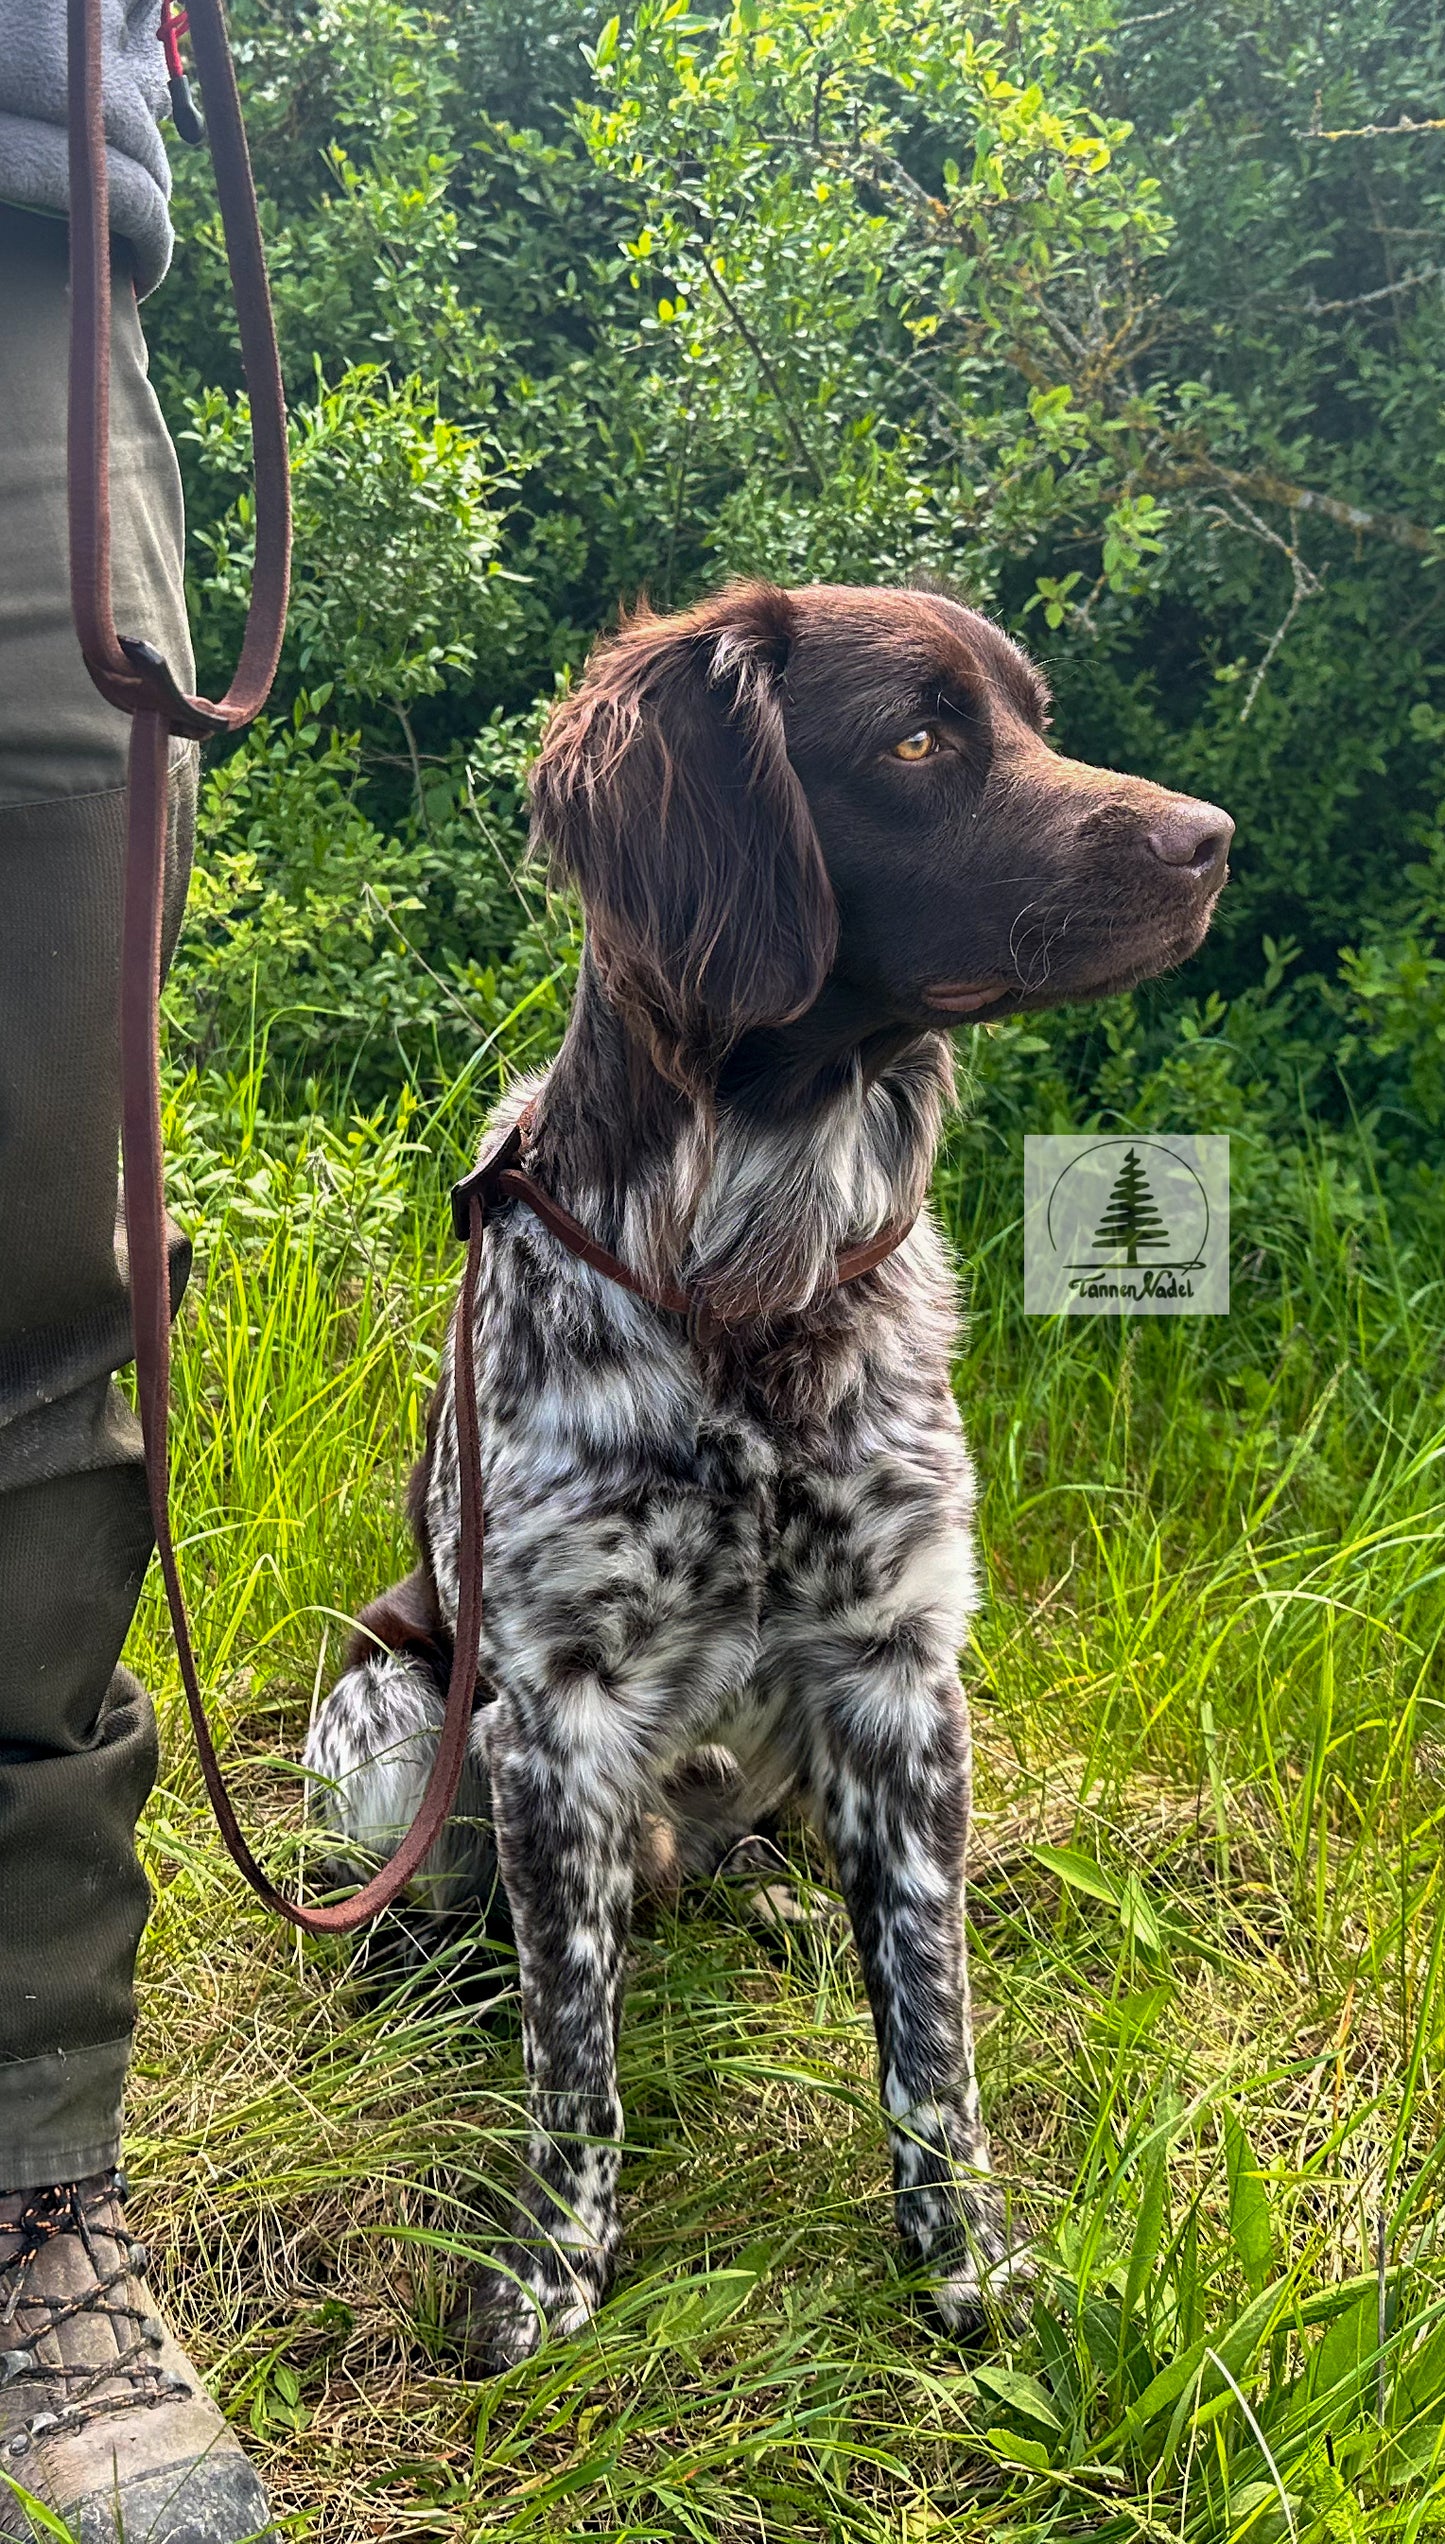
[664,791]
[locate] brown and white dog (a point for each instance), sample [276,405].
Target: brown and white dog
[813,831]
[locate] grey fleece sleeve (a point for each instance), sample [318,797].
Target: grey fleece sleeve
[33,170]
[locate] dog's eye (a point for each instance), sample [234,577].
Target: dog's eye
[915,746]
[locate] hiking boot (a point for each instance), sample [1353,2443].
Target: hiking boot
[102,2416]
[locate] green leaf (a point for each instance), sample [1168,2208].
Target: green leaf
[607,44]
[1343,2364]
[1148,2228]
[1130,2019]
[1256,2510]
[44,2519]
[1080,1872]
[1235,2345]
[1021,2394]
[1137,1917]
[1249,2222]
[1327,2304]
[1233,2351]
[1159,2396]
[1016,2450]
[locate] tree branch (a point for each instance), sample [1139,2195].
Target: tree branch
[1376,132]
[1408,282]
[1265,487]
[795,430]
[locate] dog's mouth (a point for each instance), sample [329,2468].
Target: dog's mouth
[965,998]
[968,1001]
[1141,948]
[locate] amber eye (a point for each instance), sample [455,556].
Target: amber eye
[915,746]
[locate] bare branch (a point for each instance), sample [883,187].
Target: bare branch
[1265,487]
[1363,300]
[414,756]
[1376,132]
[1304,584]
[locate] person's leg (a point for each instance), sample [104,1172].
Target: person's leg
[77,1738]
[102,2418]
[77,1743]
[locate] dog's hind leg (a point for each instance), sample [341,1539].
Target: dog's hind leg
[369,1754]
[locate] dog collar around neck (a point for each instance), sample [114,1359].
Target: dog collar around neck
[499,1176]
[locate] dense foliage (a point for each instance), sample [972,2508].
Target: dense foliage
[1123,326]
[1129,326]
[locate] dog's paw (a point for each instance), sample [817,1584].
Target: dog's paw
[975,2269]
[496,2323]
[508,2309]
[973,2303]
[780,1909]
[985,2285]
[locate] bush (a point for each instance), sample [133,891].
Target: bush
[1131,327]
[359,957]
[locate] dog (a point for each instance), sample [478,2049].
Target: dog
[728,1555]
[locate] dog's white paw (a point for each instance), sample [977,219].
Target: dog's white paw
[496,2323]
[503,2317]
[982,2291]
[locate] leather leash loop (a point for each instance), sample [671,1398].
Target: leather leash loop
[183,713]
[135,677]
[481,1184]
[131,675]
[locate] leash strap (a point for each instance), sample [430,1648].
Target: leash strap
[500,1176]
[134,676]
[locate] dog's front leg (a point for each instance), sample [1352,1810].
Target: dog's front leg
[567,1821]
[891,1766]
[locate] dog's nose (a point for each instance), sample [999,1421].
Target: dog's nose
[1193,835]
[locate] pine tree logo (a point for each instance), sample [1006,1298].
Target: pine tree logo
[1131,1219]
[1158,1207]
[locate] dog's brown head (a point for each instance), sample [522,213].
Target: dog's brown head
[777,793]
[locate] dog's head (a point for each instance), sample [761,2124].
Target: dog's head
[775,791]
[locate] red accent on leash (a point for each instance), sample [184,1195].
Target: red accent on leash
[174,24]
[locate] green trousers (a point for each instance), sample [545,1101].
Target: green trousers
[77,1736]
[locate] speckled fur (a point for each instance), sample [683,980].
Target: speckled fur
[761,1548]
[723,1574]
[720,1574]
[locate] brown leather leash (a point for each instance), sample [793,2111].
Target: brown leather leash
[135,677]
[500,1176]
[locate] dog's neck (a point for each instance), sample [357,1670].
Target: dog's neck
[816,1136]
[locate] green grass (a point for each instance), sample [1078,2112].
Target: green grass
[1206,1915]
